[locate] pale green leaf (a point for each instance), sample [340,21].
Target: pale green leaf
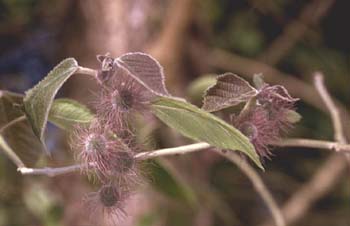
[38,100]
[199,125]
[65,113]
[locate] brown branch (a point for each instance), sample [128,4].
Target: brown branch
[181,150]
[309,143]
[333,109]
[10,153]
[320,184]
[295,30]
[13,122]
[328,174]
[258,184]
[48,171]
[169,47]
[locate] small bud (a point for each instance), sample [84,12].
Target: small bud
[95,143]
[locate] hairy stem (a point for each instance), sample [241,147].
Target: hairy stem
[181,150]
[86,71]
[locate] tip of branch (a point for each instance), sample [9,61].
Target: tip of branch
[318,77]
[24,170]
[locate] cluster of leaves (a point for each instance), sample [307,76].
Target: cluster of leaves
[134,83]
[268,111]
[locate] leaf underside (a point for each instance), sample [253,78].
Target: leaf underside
[200,125]
[38,100]
[146,70]
[229,90]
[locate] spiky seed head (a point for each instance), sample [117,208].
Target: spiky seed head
[95,143]
[109,195]
[120,97]
[102,152]
[125,162]
[122,100]
[267,120]
[107,204]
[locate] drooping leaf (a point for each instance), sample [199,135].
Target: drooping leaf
[146,70]
[200,125]
[15,129]
[38,100]
[65,113]
[229,90]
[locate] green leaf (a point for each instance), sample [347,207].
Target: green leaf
[199,125]
[38,100]
[65,113]
[16,130]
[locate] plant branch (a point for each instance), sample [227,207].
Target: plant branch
[13,122]
[333,109]
[258,184]
[309,143]
[172,151]
[50,172]
[318,186]
[10,153]
[86,71]
[181,150]
[327,175]
[295,30]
